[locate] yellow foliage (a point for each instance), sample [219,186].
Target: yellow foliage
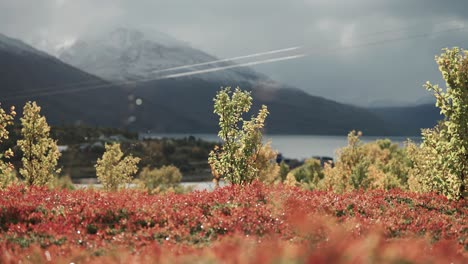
[7,171]
[290,180]
[113,170]
[237,160]
[164,179]
[376,165]
[40,152]
[269,170]
[309,174]
[63,182]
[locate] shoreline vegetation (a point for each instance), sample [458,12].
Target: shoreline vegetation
[81,146]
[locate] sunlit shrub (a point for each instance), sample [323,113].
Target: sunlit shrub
[309,174]
[237,160]
[62,182]
[440,163]
[7,171]
[40,152]
[166,178]
[113,170]
[269,170]
[376,165]
[284,170]
[8,178]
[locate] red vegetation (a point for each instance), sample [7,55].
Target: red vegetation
[234,224]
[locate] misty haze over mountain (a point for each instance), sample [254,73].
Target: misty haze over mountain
[123,54]
[323,67]
[343,65]
[125,57]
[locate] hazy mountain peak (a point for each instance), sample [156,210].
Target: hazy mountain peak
[125,36]
[183,106]
[126,54]
[122,37]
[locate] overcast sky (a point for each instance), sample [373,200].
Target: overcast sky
[354,55]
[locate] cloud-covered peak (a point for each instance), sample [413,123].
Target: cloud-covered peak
[344,64]
[124,53]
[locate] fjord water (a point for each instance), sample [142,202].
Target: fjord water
[296,146]
[306,146]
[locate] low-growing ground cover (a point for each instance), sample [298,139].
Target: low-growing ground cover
[234,224]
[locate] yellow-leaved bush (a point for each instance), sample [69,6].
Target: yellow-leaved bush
[266,162]
[239,159]
[375,165]
[307,175]
[7,171]
[113,170]
[166,178]
[440,163]
[40,152]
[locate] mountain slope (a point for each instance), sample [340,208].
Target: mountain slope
[410,119]
[28,74]
[183,105]
[126,54]
[12,45]
[291,111]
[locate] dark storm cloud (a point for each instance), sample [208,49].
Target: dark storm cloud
[393,71]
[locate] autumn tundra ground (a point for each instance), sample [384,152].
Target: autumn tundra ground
[234,224]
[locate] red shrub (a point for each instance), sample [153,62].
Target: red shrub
[234,223]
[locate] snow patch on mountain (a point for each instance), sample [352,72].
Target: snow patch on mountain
[126,54]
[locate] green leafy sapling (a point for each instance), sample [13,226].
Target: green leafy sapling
[237,160]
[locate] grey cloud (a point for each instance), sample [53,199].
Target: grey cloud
[391,72]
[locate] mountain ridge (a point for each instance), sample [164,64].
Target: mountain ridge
[25,75]
[128,54]
[175,105]
[411,118]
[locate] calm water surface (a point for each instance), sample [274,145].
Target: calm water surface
[296,146]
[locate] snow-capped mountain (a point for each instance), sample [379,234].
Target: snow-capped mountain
[174,105]
[127,54]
